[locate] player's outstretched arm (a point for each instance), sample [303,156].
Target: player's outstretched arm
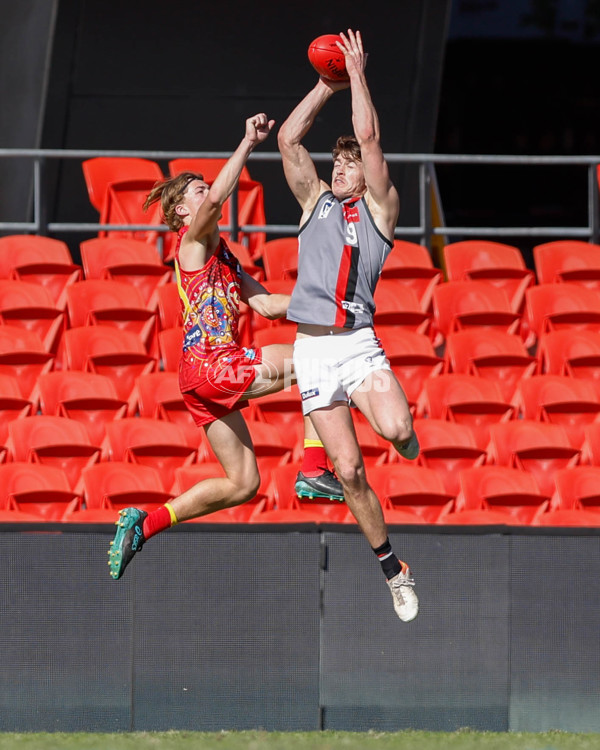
[206,219]
[299,169]
[366,128]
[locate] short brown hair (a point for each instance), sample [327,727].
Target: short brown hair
[347,145]
[170,193]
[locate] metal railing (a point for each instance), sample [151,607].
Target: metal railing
[424,232]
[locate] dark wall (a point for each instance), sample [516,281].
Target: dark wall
[26,30]
[184,76]
[287,629]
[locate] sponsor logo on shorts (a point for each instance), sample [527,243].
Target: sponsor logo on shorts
[309,394]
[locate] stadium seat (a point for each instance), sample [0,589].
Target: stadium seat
[502,489]
[102,171]
[572,261]
[150,442]
[411,264]
[398,305]
[590,448]
[120,355]
[52,441]
[540,448]
[494,263]
[24,357]
[12,404]
[167,303]
[30,306]
[552,307]
[112,485]
[572,352]
[86,397]
[412,358]
[170,342]
[448,448]
[458,305]
[375,450]
[38,490]
[465,399]
[39,260]
[559,399]
[188,476]
[104,302]
[494,355]
[280,258]
[410,489]
[578,487]
[132,262]
[477,517]
[157,395]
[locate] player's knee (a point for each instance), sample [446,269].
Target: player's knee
[244,488]
[398,431]
[351,474]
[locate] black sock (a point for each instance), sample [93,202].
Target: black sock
[389,562]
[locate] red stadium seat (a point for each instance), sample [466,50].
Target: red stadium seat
[120,355]
[562,400]
[412,358]
[578,487]
[494,263]
[567,518]
[540,448]
[448,448]
[398,305]
[24,357]
[30,306]
[552,307]
[100,172]
[502,489]
[465,399]
[572,261]
[150,442]
[410,489]
[458,305]
[411,264]
[52,441]
[280,258]
[132,262]
[86,397]
[571,352]
[494,355]
[112,485]
[12,404]
[41,491]
[167,303]
[39,260]
[104,302]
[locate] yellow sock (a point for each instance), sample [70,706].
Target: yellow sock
[172,514]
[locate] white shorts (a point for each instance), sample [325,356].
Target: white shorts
[330,368]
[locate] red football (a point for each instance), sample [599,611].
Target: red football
[327,58]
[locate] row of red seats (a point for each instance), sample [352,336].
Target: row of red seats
[488,494]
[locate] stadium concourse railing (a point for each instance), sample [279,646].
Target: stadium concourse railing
[430,223]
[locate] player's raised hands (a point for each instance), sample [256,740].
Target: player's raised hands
[354,54]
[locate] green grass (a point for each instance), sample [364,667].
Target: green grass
[256,740]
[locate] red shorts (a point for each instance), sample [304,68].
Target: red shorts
[220,389]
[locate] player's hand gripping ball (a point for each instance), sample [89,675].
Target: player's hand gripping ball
[327,58]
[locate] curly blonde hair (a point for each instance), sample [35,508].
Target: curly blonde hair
[170,193]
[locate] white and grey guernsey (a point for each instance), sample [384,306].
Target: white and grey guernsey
[341,254]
